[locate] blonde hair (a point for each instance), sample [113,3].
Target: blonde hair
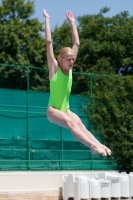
[64,52]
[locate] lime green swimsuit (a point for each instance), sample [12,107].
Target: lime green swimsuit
[60,88]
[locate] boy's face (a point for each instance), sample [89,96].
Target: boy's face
[68,61]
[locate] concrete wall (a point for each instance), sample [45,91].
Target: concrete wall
[34,181]
[45,195]
[34,185]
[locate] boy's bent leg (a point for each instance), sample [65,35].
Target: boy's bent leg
[75,118]
[63,120]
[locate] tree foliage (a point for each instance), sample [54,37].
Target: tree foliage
[111,112]
[21,44]
[106,43]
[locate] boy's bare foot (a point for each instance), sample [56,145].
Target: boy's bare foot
[107,149]
[98,149]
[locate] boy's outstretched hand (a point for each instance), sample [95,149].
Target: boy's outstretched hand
[46,15]
[70,16]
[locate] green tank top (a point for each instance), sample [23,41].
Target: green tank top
[60,88]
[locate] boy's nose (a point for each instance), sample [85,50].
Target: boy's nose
[72,61]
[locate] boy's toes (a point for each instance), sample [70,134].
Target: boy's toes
[107,150]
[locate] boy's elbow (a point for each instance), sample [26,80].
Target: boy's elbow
[48,41]
[77,43]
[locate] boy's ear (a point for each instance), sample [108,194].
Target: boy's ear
[61,60]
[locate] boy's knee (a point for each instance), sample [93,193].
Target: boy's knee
[71,124]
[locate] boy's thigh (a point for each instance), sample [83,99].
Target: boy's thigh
[58,117]
[73,116]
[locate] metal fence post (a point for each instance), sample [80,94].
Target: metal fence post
[91,124]
[61,148]
[90,86]
[28,122]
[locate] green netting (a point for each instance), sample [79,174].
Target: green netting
[57,165]
[29,141]
[22,118]
[26,135]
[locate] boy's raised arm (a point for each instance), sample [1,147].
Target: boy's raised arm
[52,63]
[75,37]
